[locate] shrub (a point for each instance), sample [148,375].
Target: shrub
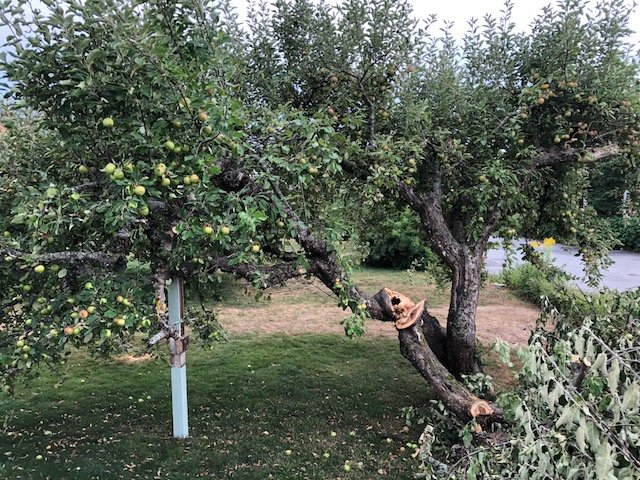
[627,230]
[397,241]
[575,413]
[528,282]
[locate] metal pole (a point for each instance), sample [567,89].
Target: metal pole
[178,361]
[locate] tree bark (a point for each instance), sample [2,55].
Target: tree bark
[461,319]
[455,396]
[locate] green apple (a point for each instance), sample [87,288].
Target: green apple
[255,248]
[143,210]
[207,130]
[91,308]
[313,169]
[160,169]
[118,174]
[53,332]
[20,343]
[177,150]
[187,180]
[28,322]
[119,321]
[225,230]
[107,122]
[208,229]
[280,223]
[75,196]
[139,190]
[109,168]
[26,348]
[165,182]
[203,116]
[39,269]
[88,286]
[169,145]
[83,169]
[76,330]
[6,234]
[106,332]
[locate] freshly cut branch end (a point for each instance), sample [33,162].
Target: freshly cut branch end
[481,409]
[412,316]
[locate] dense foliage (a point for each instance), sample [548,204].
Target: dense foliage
[398,242]
[575,410]
[627,231]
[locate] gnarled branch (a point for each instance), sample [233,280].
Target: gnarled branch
[67,257]
[559,155]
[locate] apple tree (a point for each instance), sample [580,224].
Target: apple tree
[165,142]
[490,135]
[121,170]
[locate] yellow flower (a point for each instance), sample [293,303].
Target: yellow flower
[549,242]
[534,243]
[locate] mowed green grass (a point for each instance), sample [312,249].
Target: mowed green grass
[260,407]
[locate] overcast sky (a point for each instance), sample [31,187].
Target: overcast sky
[460,11]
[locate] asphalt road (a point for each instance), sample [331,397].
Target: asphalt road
[623,274]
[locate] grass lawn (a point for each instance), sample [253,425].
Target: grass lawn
[260,407]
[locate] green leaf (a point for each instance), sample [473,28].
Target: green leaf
[604,463]
[567,416]
[581,434]
[600,363]
[631,397]
[613,376]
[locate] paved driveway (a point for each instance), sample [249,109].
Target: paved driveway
[624,274]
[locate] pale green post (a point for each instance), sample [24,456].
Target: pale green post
[178,361]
